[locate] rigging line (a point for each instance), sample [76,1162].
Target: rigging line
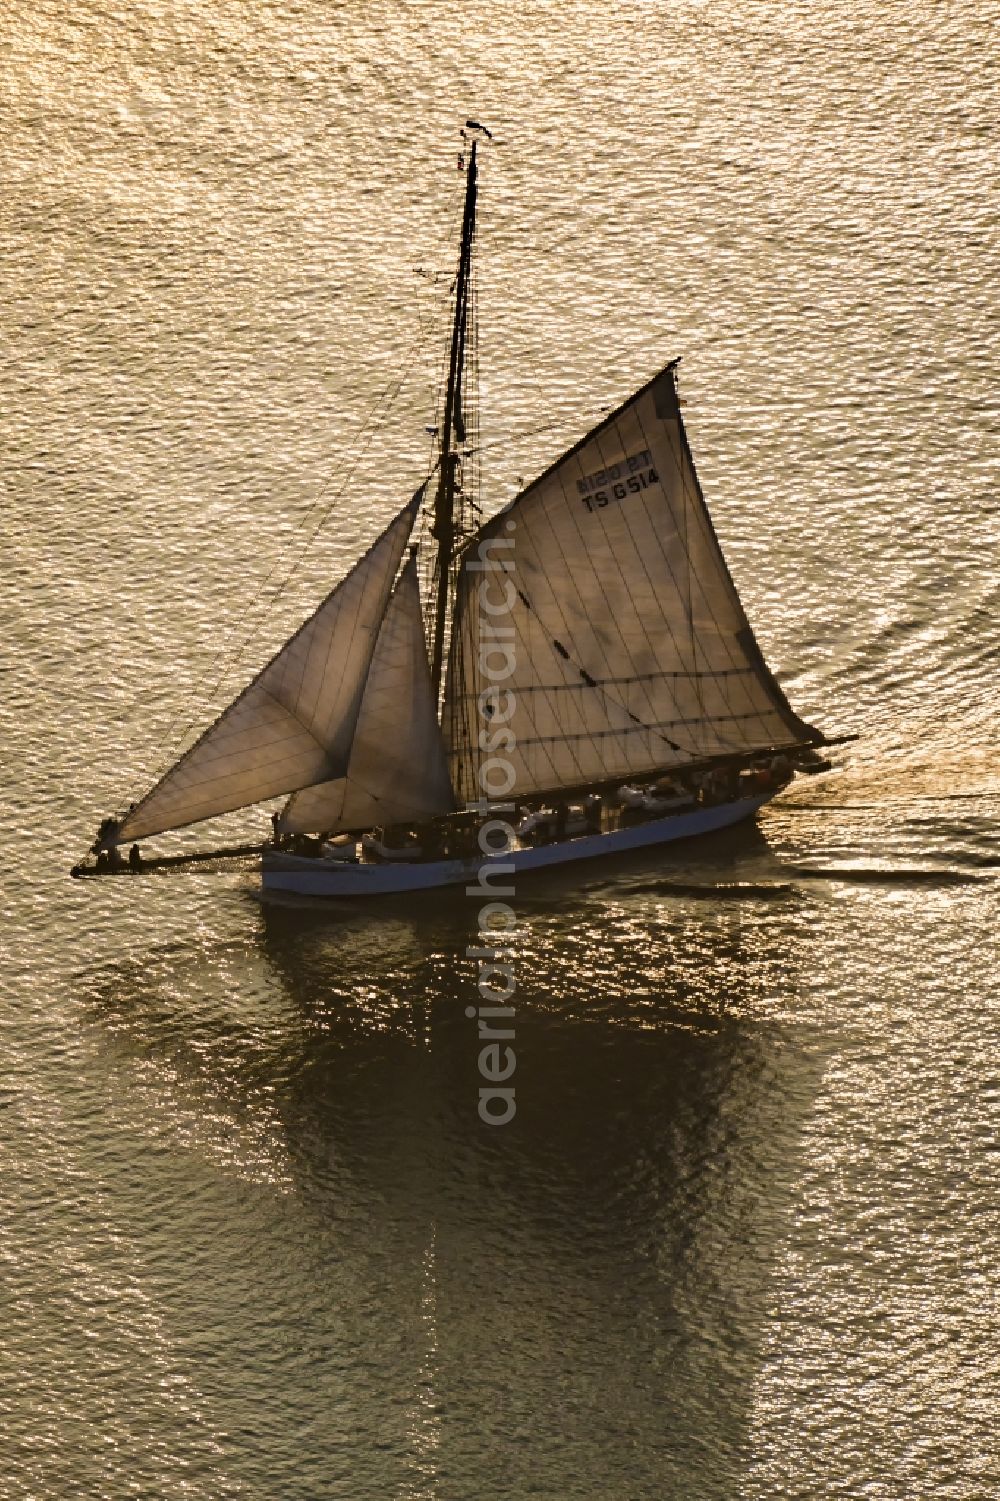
[706,526]
[684,508]
[376,418]
[592,682]
[546,687]
[177,731]
[693,504]
[664,555]
[456,716]
[387,399]
[699,687]
[642,729]
[446,441]
[255,680]
[469,637]
[531,432]
[438,364]
[639,553]
[681,676]
[435,365]
[362,786]
[596,750]
[326,676]
[570,575]
[616,623]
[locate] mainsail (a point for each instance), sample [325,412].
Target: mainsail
[295,723]
[625,648]
[398,770]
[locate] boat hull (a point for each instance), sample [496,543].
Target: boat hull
[298,875]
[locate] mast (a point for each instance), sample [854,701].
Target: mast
[443,529]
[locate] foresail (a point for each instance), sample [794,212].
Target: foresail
[294,724]
[601,602]
[398,770]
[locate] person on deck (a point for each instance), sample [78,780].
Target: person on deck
[781,768]
[107,833]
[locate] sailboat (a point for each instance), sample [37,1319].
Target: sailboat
[577,677]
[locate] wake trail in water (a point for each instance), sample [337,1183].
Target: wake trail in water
[726,891]
[879,875]
[891,801]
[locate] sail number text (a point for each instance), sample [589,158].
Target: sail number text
[629,477]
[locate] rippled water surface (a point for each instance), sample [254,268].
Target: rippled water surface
[741,1239]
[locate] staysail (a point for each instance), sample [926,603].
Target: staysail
[295,722]
[601,602]
[398,770]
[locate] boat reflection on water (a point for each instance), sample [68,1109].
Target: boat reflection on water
[586,1286]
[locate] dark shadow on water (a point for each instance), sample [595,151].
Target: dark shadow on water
[573,1304]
